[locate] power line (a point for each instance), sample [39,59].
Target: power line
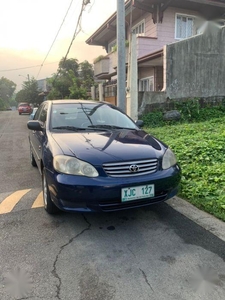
[84,3]
[55,38]
[76,32]
[23,68]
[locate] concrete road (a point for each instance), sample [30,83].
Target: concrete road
[155,253]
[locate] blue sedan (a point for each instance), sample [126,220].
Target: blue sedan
[93,157]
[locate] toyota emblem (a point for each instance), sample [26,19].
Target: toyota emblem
[134,168]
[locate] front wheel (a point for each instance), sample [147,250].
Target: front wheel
[49,206]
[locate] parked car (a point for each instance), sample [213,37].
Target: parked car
[93,157]
[24,108]
[33,113]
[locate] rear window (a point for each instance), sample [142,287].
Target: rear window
[24,104]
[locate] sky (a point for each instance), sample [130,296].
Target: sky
[28,29]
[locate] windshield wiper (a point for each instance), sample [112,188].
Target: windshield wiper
[72,128]
[109,127]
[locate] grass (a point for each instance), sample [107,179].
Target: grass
[200,150]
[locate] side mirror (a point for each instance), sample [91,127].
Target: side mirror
[139,123]
[34,125]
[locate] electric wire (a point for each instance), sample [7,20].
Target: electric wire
[76,32]
[55,38]
[23,68]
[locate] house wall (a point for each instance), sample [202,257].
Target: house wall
[158,78]
[195,66]
[150,27]
[166,29]
[160,34]
[145,72]
[101,66]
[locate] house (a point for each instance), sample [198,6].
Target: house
[157,24]
[43,87]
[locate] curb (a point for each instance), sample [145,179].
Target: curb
[205,220]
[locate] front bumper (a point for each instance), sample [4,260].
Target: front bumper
[76,193]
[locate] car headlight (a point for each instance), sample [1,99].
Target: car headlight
[169,159]
[73,166]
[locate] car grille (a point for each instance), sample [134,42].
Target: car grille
[131,168]
[116,204]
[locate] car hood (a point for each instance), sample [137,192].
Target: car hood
[110,146]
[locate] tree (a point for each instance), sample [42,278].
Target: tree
[76,90]
[65,65]
[87,74]
[29,93]
[60,85]
[7,89]
[73,80]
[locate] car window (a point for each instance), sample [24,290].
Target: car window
[86,115]
[36,117]
[43,114]
[24,104]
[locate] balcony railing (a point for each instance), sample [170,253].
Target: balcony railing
[106,67]
[147,45]
[101,67]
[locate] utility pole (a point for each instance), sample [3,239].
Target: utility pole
[121,56]
[132,87]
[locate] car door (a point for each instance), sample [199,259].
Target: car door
[38,138]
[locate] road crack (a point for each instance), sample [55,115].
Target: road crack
[146,279]
[54,271]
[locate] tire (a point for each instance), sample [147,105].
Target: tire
[32,160]
[49,206]
[19,113]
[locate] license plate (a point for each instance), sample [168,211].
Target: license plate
[137,192]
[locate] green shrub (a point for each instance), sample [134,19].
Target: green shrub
[190,112]
[199,148]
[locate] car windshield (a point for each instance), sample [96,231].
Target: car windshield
[88,116]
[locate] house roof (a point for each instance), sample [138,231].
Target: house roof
[210,9]
[151,59]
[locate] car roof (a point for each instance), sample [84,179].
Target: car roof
[68,101]
[23,103]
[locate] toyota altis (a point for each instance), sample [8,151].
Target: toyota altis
[93,157]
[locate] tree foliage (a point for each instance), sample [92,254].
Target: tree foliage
[73,80]
[65,65]
[7,88]
[29,93]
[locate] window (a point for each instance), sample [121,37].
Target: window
[43,113]
[36,117]
[146,84]
[184,26]
[139,28]
[110,91]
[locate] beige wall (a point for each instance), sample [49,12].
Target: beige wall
[159,34]
[145,72]
[166,29]
[195,66]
